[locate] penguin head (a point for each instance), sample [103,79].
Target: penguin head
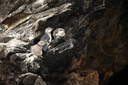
[41,43]
[59,33]
[36,50]
[48,30]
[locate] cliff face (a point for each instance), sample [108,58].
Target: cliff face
[99,28]
[107,42]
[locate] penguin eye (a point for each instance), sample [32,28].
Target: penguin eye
[55,32]
[63,34]
[61,30]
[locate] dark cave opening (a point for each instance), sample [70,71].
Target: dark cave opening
[119,78]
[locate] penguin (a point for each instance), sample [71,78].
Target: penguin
[58,33]
[58,36]
[47,38]
[37,49]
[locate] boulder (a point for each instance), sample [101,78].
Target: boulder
[27,78]
[39,81]
[17,58]
[11,47]
[31,64]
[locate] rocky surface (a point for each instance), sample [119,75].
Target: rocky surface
[94,49]
[108,41]
[39,81]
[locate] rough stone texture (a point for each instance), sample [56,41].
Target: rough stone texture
[17,58]
[39,81]
[91,78]
[11,47]
[8,73]
[98,26]
[107,42]
[27,78]
[31,64]
[75,64]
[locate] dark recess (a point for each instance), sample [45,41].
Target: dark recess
[119,78]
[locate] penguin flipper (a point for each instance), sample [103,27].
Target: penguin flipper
[44,47]
[31,48]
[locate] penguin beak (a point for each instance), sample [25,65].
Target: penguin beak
[56,32]
[51,29]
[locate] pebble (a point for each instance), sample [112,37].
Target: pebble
[30,79]
[40,81]
[0,62]
[11,77]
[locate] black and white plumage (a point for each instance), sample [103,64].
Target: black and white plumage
[58,35]
[47,38]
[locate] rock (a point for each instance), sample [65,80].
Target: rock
[0,78]
[39,6]
[17,58]
[108,42]
[58,57]
[0,62]
[75,78]
[68,83]
[24,27]
[5,39]
[1,81]
[44,72]
[12,46]
[54,11]
[2,51]
[24,78]
[7,7]
[30,79]
[11,77]
[39,81]
[31,64]
[75,64]
[92,78]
